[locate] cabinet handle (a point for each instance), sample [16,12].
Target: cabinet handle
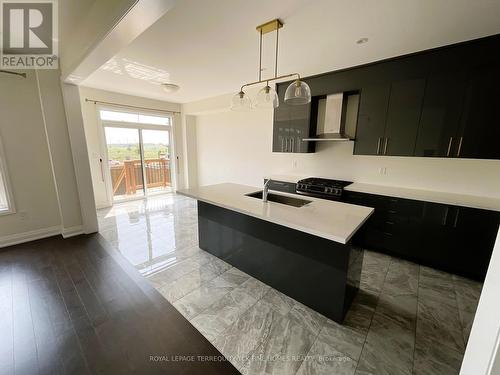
[460,146]
[445,217]
[378,145]
[385,146]
[456,218]
[102,170]
[449,146]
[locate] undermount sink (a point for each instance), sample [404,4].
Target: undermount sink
[283,199]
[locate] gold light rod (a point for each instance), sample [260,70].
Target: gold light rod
[265,28]
[270,79]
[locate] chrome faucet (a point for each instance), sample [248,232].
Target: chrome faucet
[265,190]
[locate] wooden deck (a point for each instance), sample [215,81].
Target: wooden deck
[126,178]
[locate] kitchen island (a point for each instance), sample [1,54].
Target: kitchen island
[304,252]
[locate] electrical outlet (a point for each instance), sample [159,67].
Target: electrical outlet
[23,215]
[382,171]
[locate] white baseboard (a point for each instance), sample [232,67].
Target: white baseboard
[72,231]
[14,239]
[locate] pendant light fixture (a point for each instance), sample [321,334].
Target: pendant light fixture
[296,94]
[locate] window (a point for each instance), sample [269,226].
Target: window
[137,118]
[6,202]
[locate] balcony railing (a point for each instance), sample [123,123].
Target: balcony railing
[126,177]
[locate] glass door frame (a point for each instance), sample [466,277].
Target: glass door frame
[102,124]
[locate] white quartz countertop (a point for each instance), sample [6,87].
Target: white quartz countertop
[472,201]
[464,200]
[334,221]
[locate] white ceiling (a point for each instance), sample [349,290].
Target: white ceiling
[211,47]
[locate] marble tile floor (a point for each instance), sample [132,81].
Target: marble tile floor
[406,319]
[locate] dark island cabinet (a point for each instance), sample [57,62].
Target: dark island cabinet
[454,239]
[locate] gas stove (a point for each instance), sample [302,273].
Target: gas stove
[322,187]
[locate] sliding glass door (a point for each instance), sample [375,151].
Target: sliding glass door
[125,162]
[138,151]
[156,149]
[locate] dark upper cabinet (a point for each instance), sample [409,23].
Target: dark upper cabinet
[403,115]
[437,103]
[280,129]
[443,103]
[441,112]
[372,116]
[479,133]
[388,118]
[300,127]
[292,123]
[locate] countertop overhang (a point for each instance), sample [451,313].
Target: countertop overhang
[331,220]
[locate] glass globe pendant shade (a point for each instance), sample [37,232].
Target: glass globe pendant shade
[267,98]
[298,93]
[241,102]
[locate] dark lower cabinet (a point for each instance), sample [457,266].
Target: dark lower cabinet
[475,234]
[454,239]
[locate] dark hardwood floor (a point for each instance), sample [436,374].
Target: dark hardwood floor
[76,306]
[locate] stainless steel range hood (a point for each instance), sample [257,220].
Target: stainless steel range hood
[337,117]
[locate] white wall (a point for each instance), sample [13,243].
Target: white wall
[28,162]
[56,130]
[236,147]
[482,355]
[93,136]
